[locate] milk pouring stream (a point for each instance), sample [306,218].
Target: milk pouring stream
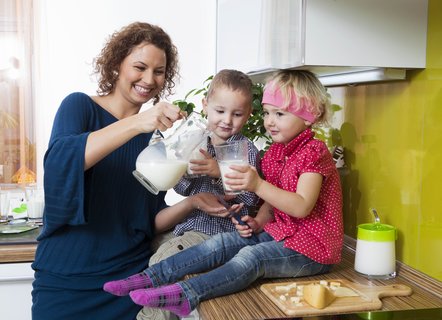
[161,165]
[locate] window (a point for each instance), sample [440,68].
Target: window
[17,134]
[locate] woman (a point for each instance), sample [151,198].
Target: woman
[98,220]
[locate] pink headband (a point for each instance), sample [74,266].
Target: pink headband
[272,95]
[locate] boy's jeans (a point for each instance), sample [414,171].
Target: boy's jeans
[237,261]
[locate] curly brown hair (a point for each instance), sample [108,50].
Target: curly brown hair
[120,45]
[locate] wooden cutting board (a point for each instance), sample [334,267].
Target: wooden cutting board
[368,297]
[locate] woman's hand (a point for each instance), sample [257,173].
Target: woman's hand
[243,178]
[208,165]
[169,217]
[161,116]
[209,203]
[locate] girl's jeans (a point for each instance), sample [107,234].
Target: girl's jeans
[237,261]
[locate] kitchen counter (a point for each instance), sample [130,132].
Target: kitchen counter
[18,247]
[424,303]
[252,303]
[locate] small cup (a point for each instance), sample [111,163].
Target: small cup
[196,155]
[231,153]
[35,203]
[35,209]
[5,203]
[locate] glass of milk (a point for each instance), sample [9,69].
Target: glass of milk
[375,251]
[35,202]
[197,155]
[231,153]
[5,201]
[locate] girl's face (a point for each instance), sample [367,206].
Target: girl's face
[282,126]
[142,74]
[227,112]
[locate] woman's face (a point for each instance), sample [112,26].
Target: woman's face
[282,126]
[142,74]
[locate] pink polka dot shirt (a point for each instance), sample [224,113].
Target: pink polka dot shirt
[318,236]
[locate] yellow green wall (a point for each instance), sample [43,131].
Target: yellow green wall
[392,134]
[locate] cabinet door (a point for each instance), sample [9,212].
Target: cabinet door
[259,34]
[325,36]
[15,290]
[374,33]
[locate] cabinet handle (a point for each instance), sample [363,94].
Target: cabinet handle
[18,278]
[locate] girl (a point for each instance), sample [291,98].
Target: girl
[299,227]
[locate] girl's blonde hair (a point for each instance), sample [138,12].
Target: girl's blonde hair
[304,85]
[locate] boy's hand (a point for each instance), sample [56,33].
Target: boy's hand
[243,178]
[207,166]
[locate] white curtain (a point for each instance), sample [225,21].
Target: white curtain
[17,143]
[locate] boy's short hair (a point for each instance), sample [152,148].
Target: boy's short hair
[234,80]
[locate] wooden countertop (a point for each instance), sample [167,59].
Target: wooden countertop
[253,304]
[18,247]
[10,253]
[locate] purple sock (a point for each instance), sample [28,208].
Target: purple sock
[123,287]
[169,297]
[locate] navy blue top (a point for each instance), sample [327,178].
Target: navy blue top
[98,224]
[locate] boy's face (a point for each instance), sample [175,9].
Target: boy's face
[227,112]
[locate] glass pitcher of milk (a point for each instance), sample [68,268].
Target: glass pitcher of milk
[162,164]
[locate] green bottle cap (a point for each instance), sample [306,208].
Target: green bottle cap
[376,232]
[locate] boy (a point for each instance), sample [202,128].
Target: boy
[228,105]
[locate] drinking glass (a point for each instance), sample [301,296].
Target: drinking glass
[231,153]
[4,205]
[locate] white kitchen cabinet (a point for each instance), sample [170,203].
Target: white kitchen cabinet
[326,36]
[15,290]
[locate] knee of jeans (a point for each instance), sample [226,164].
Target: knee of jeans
[214,242]
[247,257]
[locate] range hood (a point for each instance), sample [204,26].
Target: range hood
[342,41]
[338,76]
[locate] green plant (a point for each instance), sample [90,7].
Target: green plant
[331,136]
[254,127]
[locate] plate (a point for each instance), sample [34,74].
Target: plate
[13,229]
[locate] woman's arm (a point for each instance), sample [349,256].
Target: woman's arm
[102,142]
[171,216]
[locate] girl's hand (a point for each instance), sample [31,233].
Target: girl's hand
[208,165]
[246,230]
[161,116]
[243,178]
